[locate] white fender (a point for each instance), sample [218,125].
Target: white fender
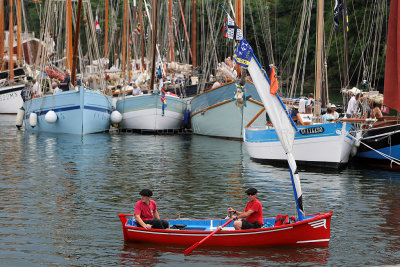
[116,117]
[20,117]
[51,117]
[33,119]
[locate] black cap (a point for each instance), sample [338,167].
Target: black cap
[251,191]
[146,193]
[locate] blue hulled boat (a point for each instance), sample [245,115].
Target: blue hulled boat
[147,112]
[214,113]
[76,112]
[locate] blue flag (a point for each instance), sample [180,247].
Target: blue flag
[243,53]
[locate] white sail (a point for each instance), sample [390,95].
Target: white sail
[281,122]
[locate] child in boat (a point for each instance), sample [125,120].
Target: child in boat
[252,216]
[146,213]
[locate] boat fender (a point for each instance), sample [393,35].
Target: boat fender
[358,139]
[51,117]
[33,119]
[20,117]
[116,117]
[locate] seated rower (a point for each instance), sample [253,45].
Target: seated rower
[146,213]
[252,216]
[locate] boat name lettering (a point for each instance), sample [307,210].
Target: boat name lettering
[312,130]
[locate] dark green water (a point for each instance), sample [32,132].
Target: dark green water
[60,196]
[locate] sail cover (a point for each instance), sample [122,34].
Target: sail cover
[392,69]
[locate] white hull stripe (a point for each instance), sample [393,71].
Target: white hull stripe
[318,223]
[206,234]
[313,241]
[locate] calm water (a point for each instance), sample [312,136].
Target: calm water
[60,196]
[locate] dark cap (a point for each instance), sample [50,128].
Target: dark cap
[251,191]
[146,193]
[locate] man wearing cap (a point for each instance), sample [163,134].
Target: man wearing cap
[352,105]
[252,216]
[333,108]
[146,213]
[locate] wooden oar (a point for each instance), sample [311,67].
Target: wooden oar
[189,250]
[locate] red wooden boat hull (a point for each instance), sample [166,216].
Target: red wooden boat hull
[313,231]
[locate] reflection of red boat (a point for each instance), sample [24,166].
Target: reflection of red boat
[312,230]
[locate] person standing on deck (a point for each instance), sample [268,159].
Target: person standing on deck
[64,85]
[352,106]
[252,216]
[146,213]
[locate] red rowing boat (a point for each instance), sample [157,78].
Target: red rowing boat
[312,230]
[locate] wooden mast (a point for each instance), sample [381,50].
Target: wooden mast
[154,42]
[19,43]
[69,34]
[1,33]
[124,32]
[106,31]
[194,33]
[320,44]
[239,23]
[76,42]
[11,43]
[346,54]
[141,33]
[171,36]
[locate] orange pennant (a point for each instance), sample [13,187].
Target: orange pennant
[274,82]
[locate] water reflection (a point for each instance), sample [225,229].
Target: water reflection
[152,254]
[60,196]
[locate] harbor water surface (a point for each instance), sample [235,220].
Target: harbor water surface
[61,196]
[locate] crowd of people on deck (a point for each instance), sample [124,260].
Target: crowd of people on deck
[357,107]
[36,87]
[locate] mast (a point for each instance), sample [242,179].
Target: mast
[154,41]
[346,53]
[194,33]
[69,34]
[76,42]
[106,31]
[19,45]
[11,43]
[239,23]
[124,33]
[1,33]
[141,33]
[171,36]
[319,64]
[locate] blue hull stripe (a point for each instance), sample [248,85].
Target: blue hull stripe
[44,112]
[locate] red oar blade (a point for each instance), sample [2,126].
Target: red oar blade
[189,250]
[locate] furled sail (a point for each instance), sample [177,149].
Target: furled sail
[392,67]
[282,125]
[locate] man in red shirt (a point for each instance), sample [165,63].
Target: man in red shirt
[146,213]
[252,217]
